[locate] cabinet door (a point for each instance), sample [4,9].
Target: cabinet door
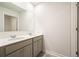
[28,51]
[19,53]
[35,50]
[39,45]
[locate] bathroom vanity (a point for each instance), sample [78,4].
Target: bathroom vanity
[29,47]
[15,21]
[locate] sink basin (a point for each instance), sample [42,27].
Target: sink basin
[19,37]
[16,38]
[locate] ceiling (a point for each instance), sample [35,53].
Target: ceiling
[11,6]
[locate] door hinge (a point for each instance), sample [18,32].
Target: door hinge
[76,52]
[76,29]
[77,4]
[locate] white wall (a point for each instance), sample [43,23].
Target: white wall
[55,20]
[26,20]
[1,20]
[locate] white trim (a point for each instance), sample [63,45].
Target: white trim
[54,54]
[3,21]
[18,24]
[73,29]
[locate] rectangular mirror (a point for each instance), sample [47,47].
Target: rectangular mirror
[15,18]
[10,23]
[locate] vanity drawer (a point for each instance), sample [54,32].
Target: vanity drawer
[16,46]
[37,38]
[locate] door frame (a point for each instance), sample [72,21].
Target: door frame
[73,42]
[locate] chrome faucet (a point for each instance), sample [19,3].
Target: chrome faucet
[13,36]
[30,33]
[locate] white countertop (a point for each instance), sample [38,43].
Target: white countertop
[8,41]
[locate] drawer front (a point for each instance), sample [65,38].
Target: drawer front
[37,38]
[16,46]
[18,53]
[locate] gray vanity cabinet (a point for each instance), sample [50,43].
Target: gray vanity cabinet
[37,45]
[28,51]
[26,48]
[21,49]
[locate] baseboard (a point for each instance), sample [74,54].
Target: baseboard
[54,54]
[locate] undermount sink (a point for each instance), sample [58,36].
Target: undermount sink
[16,38]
